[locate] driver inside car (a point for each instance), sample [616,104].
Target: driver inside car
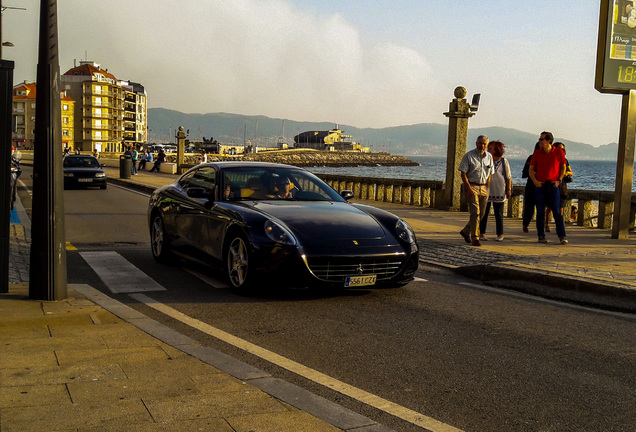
[284,188]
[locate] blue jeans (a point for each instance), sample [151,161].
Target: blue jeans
[548,195]
[498,208]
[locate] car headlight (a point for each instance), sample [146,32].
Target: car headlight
[68,175]
[279,234]
[100,175]
[404,231]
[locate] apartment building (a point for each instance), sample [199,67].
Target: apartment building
[23,117]
[109,113]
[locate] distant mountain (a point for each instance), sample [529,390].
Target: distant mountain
[425,139]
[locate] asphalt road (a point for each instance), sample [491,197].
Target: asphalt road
[469,356]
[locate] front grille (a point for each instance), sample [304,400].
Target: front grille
[336,269]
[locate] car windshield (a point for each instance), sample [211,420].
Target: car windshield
[264,183]
[81,162]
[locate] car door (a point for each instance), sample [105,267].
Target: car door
[193,208]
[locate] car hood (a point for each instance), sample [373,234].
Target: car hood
[324,221]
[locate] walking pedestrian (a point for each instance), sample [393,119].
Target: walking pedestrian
[499,191]
[476,168]
[529,193]
[547,169]
[134,154]
[563,188]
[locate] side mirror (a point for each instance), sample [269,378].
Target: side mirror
[346,194]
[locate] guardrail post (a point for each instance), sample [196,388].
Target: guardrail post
[585,213]
[605,214]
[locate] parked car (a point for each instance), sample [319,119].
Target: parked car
[16,170]
[231,214]
[83,171]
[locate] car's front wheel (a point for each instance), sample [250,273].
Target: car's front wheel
[158,240]
[237,265]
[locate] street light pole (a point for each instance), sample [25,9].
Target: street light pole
[48,277]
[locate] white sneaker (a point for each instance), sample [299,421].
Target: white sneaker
[499,238]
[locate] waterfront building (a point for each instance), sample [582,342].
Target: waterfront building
[110,113]
[332,139]
[23,117]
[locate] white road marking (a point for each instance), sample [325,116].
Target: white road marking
[420,280]
[118,274]
[212,281]
[363,396]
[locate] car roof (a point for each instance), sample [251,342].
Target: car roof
[79,156]
[250,164]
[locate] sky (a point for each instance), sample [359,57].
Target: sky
[361,63]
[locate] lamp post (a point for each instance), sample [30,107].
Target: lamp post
[48,277]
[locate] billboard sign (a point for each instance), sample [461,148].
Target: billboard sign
[616,53]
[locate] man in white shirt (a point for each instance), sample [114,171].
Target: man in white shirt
[476,168]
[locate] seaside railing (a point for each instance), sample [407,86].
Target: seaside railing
[594,208]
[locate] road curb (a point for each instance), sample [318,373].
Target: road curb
[553,285]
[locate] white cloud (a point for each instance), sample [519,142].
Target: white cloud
[251,57]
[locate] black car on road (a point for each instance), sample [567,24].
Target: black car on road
[83,171]
[265,223]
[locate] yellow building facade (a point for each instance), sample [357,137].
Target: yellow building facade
[109,114]
[23,117]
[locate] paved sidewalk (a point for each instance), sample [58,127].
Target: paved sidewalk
[73,366]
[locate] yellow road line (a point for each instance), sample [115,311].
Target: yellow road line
[370,399]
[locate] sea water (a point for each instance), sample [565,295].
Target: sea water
[588,174]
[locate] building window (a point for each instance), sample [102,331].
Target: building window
[65,132]
[65,120]
[65,107]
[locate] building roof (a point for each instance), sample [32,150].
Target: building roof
[91,70]
[29,87]
[31,91]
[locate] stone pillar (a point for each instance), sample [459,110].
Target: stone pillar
[458,114]
[180,136]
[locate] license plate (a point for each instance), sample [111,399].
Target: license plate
[356,281]
[85,180]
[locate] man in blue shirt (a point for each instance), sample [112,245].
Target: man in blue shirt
[476,168]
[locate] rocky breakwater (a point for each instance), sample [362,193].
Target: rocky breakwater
[333,159]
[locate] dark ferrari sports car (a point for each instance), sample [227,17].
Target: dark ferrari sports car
[271,223]
[83,171]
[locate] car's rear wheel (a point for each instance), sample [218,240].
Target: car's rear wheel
[237,265]
[158,240]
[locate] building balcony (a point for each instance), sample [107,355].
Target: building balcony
[90,114]
[99,137]
[18,110]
